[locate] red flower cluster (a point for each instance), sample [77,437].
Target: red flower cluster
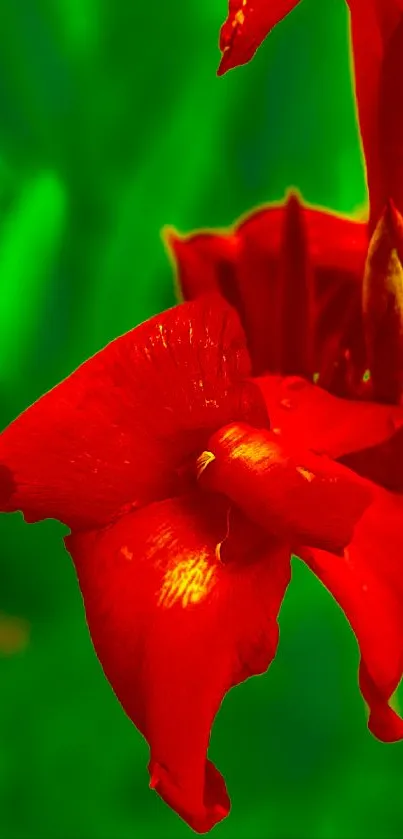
[191,457]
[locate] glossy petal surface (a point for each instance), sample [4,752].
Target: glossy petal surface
[291,492]
[119,431]
[326,424]
[175,627]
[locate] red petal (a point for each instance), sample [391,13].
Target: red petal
[117,433]
[377,37]
[368,584]
[391,113]
[290,492]
[335,242]
[247,25]
[294,311]
[202,260]
[324,423]
[381,463]
[174,628]
[383,308]
[244,266]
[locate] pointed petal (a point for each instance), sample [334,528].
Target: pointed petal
[383,308]
[119,431]
[296,295]
[202,261]
[324,423]
[337,250]
[368,584]
[174,628]
[244,266]
[292,493]
[377,42]
[247,25]
[336,242]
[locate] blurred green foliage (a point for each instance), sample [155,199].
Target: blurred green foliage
[113,124]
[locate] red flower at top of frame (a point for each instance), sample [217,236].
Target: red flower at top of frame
[377,49]
[313,297]
[187,485]
[247,25]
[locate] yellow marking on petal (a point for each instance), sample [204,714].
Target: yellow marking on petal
[162,332]
[203,462]
[309,476]
[126,553]
[257,452]
[239,18]
[189,581]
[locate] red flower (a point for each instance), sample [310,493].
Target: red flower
[365,578]
[247,25]
[184,507]
[295,271]
[377,49]
[289,270]
[187,484]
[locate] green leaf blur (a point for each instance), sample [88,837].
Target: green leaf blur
[113,123]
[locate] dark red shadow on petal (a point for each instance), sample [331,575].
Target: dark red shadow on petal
[382,464]
[244,266]
[7,486]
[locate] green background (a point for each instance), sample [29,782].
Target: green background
[112,124]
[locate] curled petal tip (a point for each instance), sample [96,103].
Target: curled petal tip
[384,722]
[388,730]
[209,812]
